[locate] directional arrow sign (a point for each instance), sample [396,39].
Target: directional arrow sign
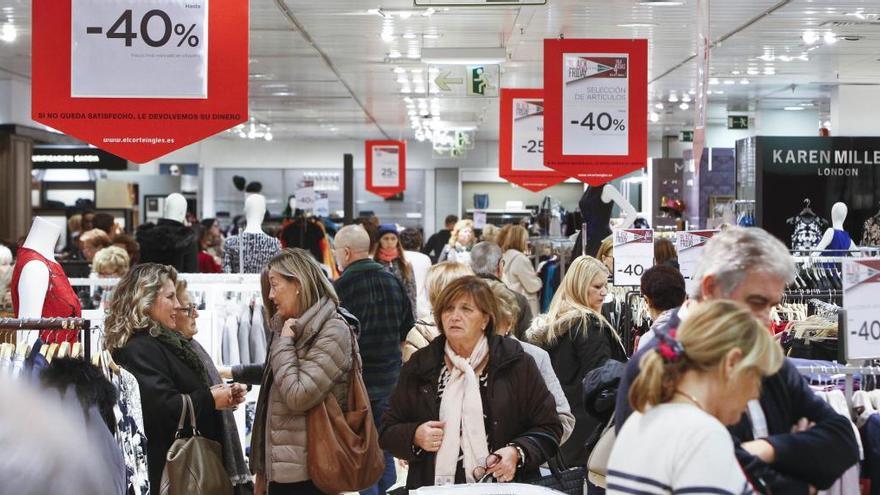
[444,80]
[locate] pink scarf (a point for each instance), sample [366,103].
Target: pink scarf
[462,410]
[388,255]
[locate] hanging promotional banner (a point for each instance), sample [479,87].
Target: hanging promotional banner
[689,246]
[140,79]
[596,107]
[701,100]
[386,167]
[521,140]
[861,291]
[633,254]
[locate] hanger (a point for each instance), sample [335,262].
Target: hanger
[53,348]
[63,349]
[807,211]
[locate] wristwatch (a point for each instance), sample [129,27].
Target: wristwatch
[521,453]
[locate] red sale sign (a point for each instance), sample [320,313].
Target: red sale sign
[595,107]
[521,140]
[386,167]
[140,79]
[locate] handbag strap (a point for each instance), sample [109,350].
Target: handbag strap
[555,461]
[186,404]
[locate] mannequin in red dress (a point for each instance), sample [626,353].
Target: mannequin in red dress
[40,288]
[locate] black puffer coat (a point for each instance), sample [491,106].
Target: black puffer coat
[169,242]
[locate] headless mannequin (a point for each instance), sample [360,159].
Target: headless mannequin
[838,217]
[255,211]
[34,281]
[610,194]
[175,208]
[597,215]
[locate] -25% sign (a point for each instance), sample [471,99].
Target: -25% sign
[603,121]
[123,29]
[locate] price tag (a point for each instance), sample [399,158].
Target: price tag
[689,246]
[861,300]
[137,49]
[385,166]
[595,102]
[528,135]
[633,254]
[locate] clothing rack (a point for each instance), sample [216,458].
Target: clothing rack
[31,324]
[849,373]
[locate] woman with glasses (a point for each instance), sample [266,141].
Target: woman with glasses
[140,332]
[233,459]
[471,406]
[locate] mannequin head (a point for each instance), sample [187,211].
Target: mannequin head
[175,207]
[838,214]
[255,211]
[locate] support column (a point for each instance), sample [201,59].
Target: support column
[854,111]
[15,186]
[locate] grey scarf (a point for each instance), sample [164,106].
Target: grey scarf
[233,459]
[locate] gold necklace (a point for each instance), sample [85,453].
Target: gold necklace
[690,398]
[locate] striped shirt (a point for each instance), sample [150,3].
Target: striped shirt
[674,448]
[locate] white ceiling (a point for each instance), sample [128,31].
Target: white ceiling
[322,69]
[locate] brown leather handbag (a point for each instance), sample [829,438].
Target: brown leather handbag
[194,465]
[343,447]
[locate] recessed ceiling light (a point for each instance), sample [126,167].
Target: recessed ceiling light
[636,25]
[713,81]
[409,36]
[402,79]
[793,109]
[686,98]
[416,71]
[394,54]
[684,106]
[431,36]
[830,38]
[753,71]
[769,71]
[728,82]
[660,3]
[810,37]
[744,81]
[735,72]
[399,70]
[655,117]
[719,92]
[673,98]
[693,91]
[658,106]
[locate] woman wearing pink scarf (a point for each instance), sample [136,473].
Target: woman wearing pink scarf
[472,406]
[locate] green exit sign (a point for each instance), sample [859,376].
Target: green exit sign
[686,136]
[737,121]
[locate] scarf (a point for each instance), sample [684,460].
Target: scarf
[462,410]
[388,255]
[181,347]
[233,459]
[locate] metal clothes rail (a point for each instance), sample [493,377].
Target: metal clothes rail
[31,324]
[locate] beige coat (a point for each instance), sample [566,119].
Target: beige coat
[420,336]
[520,276]
[305,368]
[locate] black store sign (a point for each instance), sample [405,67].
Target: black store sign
[825,170]
[55,157]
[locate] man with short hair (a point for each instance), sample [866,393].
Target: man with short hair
[487,262]
[379,301]
[436,242]
[777,452]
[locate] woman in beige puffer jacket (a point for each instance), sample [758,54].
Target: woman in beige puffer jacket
[309,358]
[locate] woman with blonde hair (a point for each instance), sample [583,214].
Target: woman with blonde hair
[460,243]
[112,262]
[310,357]
[425,329]
[519,273]
[579,339]
[140,334]
[697,381]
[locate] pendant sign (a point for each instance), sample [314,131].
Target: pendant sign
[596,107]
[521,140]
[386,167]
[689,246]
[140,79]
[861,291]
[633,254]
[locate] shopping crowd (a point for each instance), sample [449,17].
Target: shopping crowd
[467,379]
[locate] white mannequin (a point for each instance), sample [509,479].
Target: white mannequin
[175,208]
[610,194]
[292,204]
[255,211]
[34,281]
[838,216]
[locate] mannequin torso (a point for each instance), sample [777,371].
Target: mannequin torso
[255,211]
[836,239]
[34,280]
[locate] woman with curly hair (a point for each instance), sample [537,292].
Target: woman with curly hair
[140,334]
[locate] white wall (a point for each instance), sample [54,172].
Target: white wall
[854,111]
[787,123]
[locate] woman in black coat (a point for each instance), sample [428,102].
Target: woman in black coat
[471,404]
[578,340]
[140,335]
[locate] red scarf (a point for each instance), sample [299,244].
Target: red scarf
[388,255]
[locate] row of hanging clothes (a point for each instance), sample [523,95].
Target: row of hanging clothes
[551,257]
[627,311]
[853,392]
[807,317]
[745,212]
[239,322]
[807,230]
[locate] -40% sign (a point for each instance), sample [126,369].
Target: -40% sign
[122,29]
[602,121]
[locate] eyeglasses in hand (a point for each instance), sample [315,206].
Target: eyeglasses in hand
[481,474]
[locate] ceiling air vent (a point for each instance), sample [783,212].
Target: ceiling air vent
[846,24]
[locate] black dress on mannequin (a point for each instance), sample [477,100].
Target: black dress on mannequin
[597,216]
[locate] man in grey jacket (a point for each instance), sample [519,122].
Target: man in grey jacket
[486,261]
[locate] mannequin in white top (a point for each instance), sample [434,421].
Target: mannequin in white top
[34,281]
[835,238]
[175,208]
[610,194]
[255,211]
